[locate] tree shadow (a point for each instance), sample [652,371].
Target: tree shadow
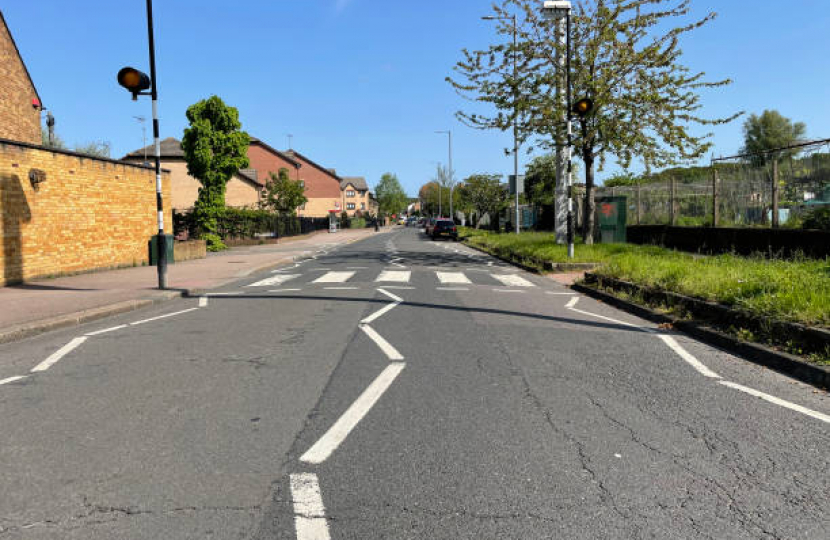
[15,210]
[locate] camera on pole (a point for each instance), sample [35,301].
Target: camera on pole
[134,81]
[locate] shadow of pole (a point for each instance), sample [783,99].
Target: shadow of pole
[15,211]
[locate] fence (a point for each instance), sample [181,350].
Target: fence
[770,189]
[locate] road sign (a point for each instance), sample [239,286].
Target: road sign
[512,181]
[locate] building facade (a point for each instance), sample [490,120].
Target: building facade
[356,196]
[20,104]
[322,188]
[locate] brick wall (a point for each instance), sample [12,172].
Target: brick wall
[87,214]
[321,188]
[265,161]
[359,198]
[19,120]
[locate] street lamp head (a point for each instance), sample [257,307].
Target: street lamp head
[133,80]
[555,9]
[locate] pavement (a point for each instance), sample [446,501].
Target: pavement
[396,387]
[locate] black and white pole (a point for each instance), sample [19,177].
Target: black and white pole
[450,174]
[569,151]
[161,244]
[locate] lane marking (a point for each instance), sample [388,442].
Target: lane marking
[285,290]
[203,301]
[387,348]
[12,379]
[278,279]
[561,293]
[309,512]
[163,316]
[453,278]
[226,293]
[778,401]
[334,277]
[341,288]
[572,302]
[105,330]
[394,297]
[451,289]
[691,360]
[399,288]
[357,268]
[379,313]
[508,290]
[617,321]
[397,276]
[513,280]
[60,353]
[334,437]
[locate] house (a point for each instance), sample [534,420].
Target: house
[322,187]
[356,195]
[19,101]
[266,160]
[243,190]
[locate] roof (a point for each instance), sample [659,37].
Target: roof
[250,175]
[283,155]
[170,148]
[26,69]
[315,165]
[358,182]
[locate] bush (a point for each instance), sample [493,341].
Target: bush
[818,219]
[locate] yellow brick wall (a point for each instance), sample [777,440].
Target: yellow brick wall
[19,120]
[88,213]
[241,193]
[319,207]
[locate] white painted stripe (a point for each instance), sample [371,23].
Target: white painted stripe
[778,401]
[512,280]
[309,512]
[398,288]
[334,277]
[453,277]
[105,330]
[379,313]
[203,301]
[508,290]
[60,353]
[400,276]
[334,437]
[278,279]
[357,267]
[603,317]
[572,302]
[216,294]
[12,379]
[451,289]
[163,316]
[561,293]
[394,297]
[387,348]
[285,290]
[691,360]
[341,288]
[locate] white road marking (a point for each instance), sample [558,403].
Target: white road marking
[508,290]
[778,401]
[163,316]
[617,321]
[278,279]
[394,297]
[357,267]
[60,353]
[105,330]
[691,360]
[309,512]
[401,276]
[334,277]
[512,280]
[451,289]
[453,278]
[203,301]
[561,293]
[387,348]
[237,293]
[572,302]
[399,288]
[379,313]
[341,288]
[12,379]
[334,437]
[285,290]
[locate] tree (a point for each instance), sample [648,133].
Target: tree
[95,148]
[429,197]
[486,195]
[215,148]
[283,195]
[390,194]
[769,131]
[57,143]
[621,180]
[626,58]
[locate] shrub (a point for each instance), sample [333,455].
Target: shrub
[818,219]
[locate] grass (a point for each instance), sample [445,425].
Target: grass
[790,290]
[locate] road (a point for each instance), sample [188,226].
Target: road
[401,388]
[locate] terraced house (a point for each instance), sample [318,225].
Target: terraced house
[356,196]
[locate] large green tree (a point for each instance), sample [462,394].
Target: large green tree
[626,58]
[486,195]
[283,195]
[428,194]
[215,148]
[768,131]
[391,197]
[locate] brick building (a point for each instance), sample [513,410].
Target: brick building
[20,103]
[356,196]
[322,187]
[266,160]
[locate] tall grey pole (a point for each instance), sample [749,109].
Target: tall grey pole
[561,224]
[570,139]
[516,124]
[450,174]
[162,239]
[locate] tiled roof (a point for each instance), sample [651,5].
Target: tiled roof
[249,174]
[358,182]
[170,147]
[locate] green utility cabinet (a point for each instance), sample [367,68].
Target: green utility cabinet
[612,213]
[154,250]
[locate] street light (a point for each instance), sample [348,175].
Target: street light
[137,82]
[557,9]
[516,111]
[448,132]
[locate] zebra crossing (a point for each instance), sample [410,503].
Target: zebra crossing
[400,277]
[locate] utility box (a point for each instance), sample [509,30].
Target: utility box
[612,214]
[154,250]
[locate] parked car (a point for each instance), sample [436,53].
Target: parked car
[444,227]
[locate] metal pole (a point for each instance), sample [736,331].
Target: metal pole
[162,239]
[450,174]
[775,220]
[570,138]
[516,124]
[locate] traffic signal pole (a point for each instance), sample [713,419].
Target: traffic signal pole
[570,184]
[161,244]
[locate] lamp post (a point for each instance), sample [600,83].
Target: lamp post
[557,9]
[447,132]
[516,111]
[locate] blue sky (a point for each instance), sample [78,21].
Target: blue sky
[360,83]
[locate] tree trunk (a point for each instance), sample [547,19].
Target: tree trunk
[589,204]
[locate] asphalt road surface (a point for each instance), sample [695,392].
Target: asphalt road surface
[401,388]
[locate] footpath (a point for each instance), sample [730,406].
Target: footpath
[39,306]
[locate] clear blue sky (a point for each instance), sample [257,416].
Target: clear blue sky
[360,83]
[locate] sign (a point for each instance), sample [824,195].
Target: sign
[512,180]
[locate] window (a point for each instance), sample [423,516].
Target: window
[350,193]
[363,206]
[350,206]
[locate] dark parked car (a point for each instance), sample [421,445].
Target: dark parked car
[444,227]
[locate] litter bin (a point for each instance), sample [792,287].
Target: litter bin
[154,249]
[613,215]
